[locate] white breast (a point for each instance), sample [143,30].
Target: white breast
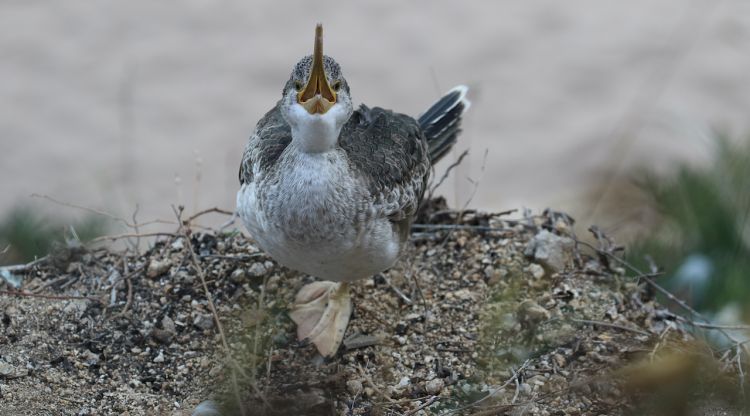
[314,216]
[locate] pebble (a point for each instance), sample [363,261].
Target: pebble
[550,249]
[203,321]
[89,358]
[354,387]
[178,244]
[238,276]
[159,358]
[536,270]
[157,267]
[530,312]
[256,270]
[76,307]
[168,325]
[7,370]
[434,386]
[161,335]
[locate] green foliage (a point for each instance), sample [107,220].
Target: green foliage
[28,234]
[705,213]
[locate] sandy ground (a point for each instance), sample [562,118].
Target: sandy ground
[508,318]
[109,104]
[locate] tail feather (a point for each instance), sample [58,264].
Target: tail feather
[441,123]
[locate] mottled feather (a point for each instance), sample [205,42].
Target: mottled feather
[386,149]
[389,151]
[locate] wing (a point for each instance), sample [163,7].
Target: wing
[389,151]
[271,136]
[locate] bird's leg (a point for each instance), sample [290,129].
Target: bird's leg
[321,312]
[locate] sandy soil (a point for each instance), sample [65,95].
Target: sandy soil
[500,316]
[113,104]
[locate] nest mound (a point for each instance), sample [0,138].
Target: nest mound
[482,315]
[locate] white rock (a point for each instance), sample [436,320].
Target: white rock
[536,270]
[551,250]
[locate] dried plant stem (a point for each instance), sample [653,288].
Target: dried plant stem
[207,211]
[21,267]
[51,297]
[612,325]
[126,276]
[209,297]
[446,173]
[429,402]
[91,210]
[130,235]
[646,277]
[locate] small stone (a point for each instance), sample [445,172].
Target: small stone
[73,267]
[256,270]
[178,244]
[552,250]
[161,335]
[354,386]
[238,276]
[159,358]
[559,360]
[76,307]
[536,270]
[7,370]
[168,325]
[434,386]
[530,313]
[90,358]
[207,408]
[404,381]
[157,267]
[203,321]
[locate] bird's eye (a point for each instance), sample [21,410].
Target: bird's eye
[298,85]
[336,85]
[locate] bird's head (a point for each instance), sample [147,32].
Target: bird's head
[316,101]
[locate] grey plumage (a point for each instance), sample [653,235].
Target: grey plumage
[332,191]
[392,152]
[370,184]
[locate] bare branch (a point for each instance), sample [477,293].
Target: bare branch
[207,211]
[447,172]
[91,210]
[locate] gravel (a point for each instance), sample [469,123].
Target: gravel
[469,321]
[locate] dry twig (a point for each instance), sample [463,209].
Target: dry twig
[51,297]
[209,298]
[612,325]
[446,173]
[206,211]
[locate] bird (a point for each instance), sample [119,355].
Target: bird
[332,191]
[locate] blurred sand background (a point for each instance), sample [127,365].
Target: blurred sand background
[112,104]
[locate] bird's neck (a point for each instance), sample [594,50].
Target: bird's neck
[316,134]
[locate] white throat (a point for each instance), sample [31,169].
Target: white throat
[316,133]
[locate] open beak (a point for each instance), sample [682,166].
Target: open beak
[317,96]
